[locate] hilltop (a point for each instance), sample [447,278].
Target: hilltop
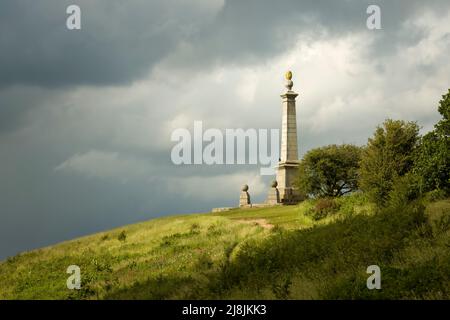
[313,250]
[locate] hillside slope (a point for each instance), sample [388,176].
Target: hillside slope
[276,252]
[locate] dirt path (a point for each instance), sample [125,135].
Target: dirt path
[261,222]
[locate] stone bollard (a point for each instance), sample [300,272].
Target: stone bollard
[244,199]
[274,195]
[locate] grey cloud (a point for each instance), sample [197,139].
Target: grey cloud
[119,43]
[251,31]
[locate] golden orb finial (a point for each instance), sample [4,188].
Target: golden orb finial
[288,75]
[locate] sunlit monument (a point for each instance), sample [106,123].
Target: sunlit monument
[287,169]
[283,190]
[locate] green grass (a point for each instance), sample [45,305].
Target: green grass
[280,252]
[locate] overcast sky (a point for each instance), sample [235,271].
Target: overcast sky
[86,115]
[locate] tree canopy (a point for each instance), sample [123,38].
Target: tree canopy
[329,171]
[388,155]
[432,159]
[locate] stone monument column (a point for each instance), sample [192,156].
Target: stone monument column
[287,170]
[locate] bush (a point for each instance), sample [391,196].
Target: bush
[204,262]
[435,195]
[195,229]
[324,207]
[278,229]
[122,236]
[404,190]
[353,203]
[281,290]
[214,230]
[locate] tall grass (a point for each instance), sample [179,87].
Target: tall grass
[330,261]
[211,256]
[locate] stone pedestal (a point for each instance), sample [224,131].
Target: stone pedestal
[273,197]
[287,174]
[244,199]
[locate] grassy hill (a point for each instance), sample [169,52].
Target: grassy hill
[308,251]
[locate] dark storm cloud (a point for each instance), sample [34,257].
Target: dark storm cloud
[13,104]
[247,32]
[120,42]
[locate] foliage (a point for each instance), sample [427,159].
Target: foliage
[122,236]
[432,159]
[329,171]
[434,195]
[388,155]
[324,207]
[404,189]
[443,126]
[355,203]
[204,262]
[104,237]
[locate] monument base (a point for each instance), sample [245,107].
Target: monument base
[287,174]
[244,199]
[273,196]
[290,196]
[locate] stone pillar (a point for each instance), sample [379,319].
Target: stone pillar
[288,165]
[244,199]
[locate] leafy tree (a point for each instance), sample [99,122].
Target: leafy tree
[329,171]
[432,160]
[388,155]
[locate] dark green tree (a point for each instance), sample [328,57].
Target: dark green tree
[388,155]
[329,171]
[432,160]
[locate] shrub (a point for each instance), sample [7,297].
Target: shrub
[435,195]
[195,229]
[325,207]
[122,236]
[214,230]
[204,262]
[278,229]
[353,203]
[281,290]
[404,190]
